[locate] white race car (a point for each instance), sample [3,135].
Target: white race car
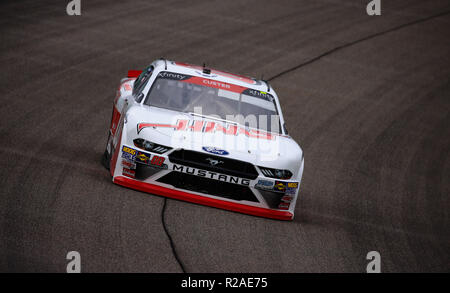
[204,136]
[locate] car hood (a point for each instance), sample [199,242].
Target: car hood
[171,128]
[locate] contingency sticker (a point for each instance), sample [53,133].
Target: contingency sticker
[128,153]
[291,188]
[143,157]
[128,172]
[129,164]
[280,186]
[264,184]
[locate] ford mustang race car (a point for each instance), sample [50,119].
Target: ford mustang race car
[204,136]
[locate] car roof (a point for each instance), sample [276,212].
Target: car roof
[223,76]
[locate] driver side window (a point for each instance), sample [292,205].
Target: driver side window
[140,83]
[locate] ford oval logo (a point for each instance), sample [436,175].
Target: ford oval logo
[215,151]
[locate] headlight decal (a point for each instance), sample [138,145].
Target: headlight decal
[150,146]
[276,173]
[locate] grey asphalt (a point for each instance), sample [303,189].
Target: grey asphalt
[367,97]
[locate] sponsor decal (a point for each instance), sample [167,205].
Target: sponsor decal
[258,94]
[216,84]
[292,184]
[287,198]
[292,188]
[201,81]
[130,156]
[128,153]
[143,157]
[225,128]
[283,206]
[128,172]
[291,191]
[210,127]
[227,74]
[280,186]
[264,184]
[127,156]
[129,150]
[128,164]
[210,175]
[215,151]
[173,76]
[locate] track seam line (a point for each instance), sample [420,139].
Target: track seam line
[356,42]
[172,245]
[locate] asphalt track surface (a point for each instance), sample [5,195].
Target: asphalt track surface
[368,99]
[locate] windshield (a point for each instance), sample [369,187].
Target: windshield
[185,93]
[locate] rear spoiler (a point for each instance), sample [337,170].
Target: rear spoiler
[134,73]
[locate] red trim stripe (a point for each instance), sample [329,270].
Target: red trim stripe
[141,126]
[190,197]
[219,72]
[215,84]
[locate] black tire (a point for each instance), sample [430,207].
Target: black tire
[106,158]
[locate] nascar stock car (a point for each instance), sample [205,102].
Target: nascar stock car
[204,136]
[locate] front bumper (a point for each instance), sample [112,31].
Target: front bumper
[198,199]
[243,195]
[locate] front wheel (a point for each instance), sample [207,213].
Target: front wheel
[106,158]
